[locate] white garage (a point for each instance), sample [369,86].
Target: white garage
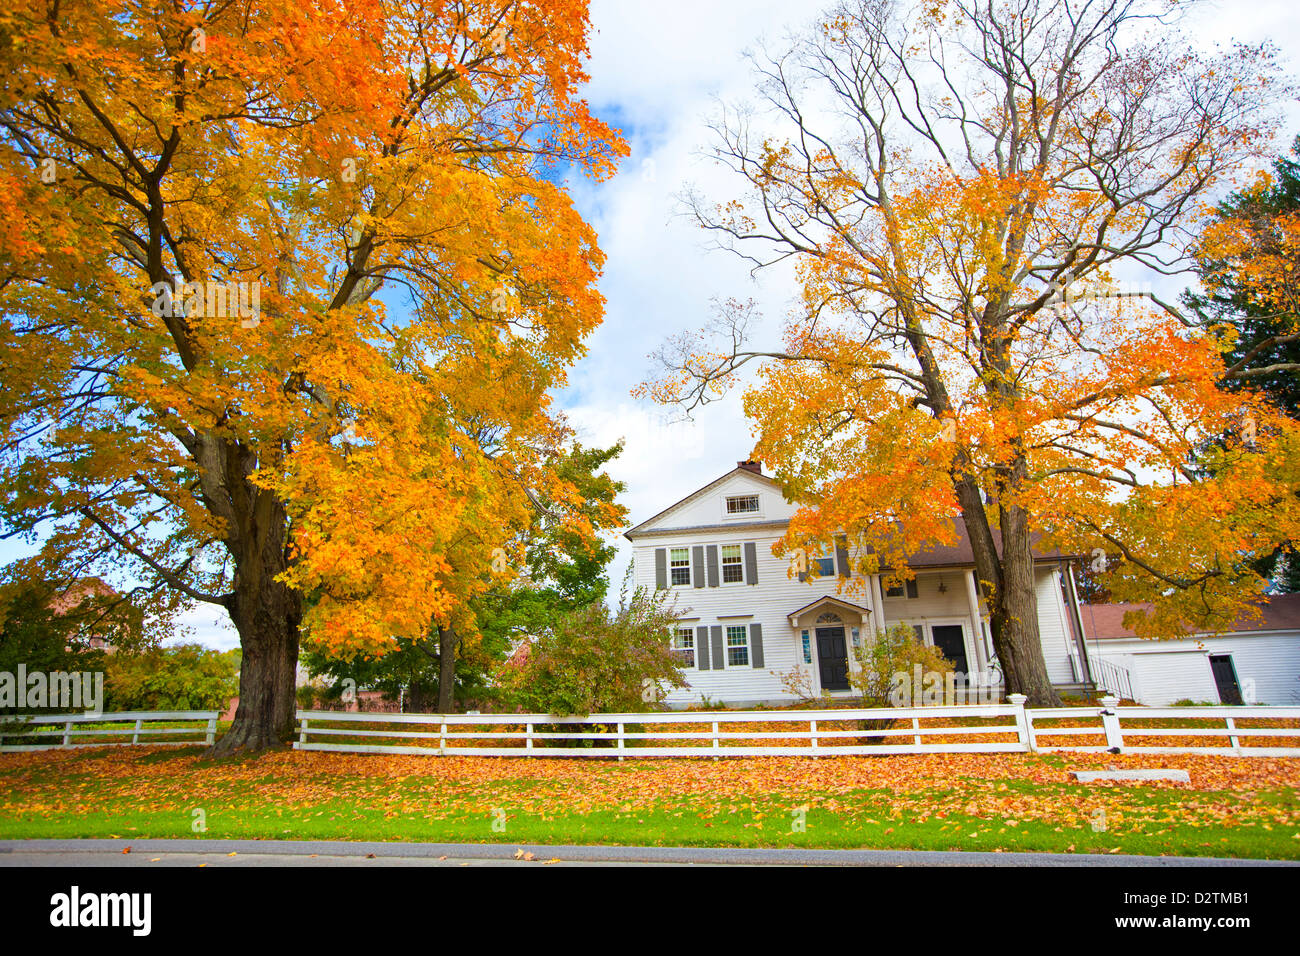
[1258,662]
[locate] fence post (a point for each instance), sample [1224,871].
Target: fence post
[1232,737]
[916,726]
[812,730]
[715,739]
[1110,721]
[302,730]
[528,735]
[135,737]
[620,740]
[442,735]
[211,737]
[67,734]
[1017,702]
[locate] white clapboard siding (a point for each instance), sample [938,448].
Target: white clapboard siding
[1166,671]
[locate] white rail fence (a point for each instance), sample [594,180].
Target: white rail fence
[58,731]
[981,728]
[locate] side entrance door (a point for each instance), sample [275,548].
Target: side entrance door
[832,658]
[948,638]
[1225,678]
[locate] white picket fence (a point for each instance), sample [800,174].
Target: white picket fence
[1003,728]
[44,733]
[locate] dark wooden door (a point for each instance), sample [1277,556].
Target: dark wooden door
[832,658]
[1225,678]
[952,645]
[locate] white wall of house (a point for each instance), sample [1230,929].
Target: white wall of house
[943,597]
[1171,670]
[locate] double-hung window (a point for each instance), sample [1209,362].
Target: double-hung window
[733,571]
[825,565]
[737,645]
[680,565]
[908,587]
[684,646]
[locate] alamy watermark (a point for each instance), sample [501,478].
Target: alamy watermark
[922,688]
[64,690]
[75,908]
[209,299]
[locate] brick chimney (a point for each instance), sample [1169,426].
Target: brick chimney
[753,466]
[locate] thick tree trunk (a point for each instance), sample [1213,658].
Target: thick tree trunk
[268,635]
[1008,584]
[266,614]
[446,670]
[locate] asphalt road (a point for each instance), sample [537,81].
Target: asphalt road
[258,853]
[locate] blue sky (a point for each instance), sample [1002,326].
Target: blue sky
[656,70]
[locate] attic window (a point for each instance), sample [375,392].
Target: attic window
[742,504]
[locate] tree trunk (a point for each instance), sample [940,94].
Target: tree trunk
[1008,585]
[1015,635]
[266,614]
[446,670]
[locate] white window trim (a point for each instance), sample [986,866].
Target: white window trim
[742,515]
[727,645]
[690,568]
[722,579]
[695,651]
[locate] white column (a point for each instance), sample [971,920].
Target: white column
[878,622]
[977,631]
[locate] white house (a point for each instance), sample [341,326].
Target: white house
[1256,662]
[744,621]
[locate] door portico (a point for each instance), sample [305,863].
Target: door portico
[828,630]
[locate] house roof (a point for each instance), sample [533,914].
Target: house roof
[826,599]
[641,529]
[1105,622]
[962,555]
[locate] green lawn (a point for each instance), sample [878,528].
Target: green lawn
[132,793]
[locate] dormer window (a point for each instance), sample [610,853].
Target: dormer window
[742,504]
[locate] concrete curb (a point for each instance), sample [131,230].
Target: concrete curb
[732,856]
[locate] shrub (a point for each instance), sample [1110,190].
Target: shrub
[892,652]
[184,677]
[594,661]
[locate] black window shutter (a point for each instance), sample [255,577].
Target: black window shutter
[702,647]
[661,568]
[756,644]
[842,558]
[712,553]
[715,633]
[697,559]
[751,563]
[911,588]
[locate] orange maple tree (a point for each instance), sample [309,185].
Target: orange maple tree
[961,188]
[285,287]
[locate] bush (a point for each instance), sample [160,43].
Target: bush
[594,662]
[184,677]
[891,653]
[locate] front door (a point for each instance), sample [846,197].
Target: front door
[952,644]
[1225,678]
[833,658]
